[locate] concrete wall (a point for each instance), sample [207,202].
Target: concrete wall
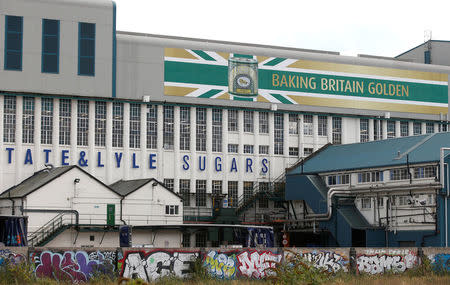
[78,264]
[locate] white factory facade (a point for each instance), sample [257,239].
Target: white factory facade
[205,118]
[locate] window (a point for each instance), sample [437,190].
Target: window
[425,172]
[168,182]
[378,130]
[168,130]
[117,125]
[390,129]
[200,193]
[172,210]
[65,113]
[308,125]
[13,42]
[248,121]
[263,149]
[293,124]
[100,123]
[46,121]
[431,199]
[307,151]
[263,122]
[86,49]
[50,46]
[232,193]
[201,129]
[82,122]
[374,176]
[200,239]
[399,174]
[152,126]
[185,128]
[9,119]
[443,127]
[185,189]
[364,130]
[28,120]
[263,201]
[217,187]
[233,148]
[248,190]
[404,129]
[429,128]
[135,126]
[417,128]
[278,133]
[403,200]
[322,126]
[338,179]
[293,151]
[233,120]
[366,203]
[186,241]
[217,130]
[380,202]
[337,130]
[248,148]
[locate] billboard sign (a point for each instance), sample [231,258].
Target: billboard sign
[219,75]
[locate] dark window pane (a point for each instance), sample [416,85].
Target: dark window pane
[50,44]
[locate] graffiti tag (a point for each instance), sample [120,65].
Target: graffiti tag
[9,257]
[379,263]
[220,265]
[328,260]
[254,264]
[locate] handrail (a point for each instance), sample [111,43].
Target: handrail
[49,228]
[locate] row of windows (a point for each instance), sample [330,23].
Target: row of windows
[377,176]
[391,129]
[50,45]
[217,190]
[368,203]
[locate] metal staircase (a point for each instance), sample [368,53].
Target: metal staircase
[274,192]
[51,229]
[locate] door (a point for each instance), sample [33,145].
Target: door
[111,214]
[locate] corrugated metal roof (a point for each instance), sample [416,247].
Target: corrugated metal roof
[34,182]
[125,187]
[374,154]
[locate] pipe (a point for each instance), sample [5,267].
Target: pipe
[121,206]
[77,215]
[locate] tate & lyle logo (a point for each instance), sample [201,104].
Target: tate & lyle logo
[243,78]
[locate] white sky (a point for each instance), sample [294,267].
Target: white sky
[376,27]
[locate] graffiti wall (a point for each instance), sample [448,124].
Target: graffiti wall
[439,258]
[73,265]
[241,263]
[376,261]
[333,260]
[152,264]
[12,256]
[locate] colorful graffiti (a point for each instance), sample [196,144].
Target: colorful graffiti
[333,261]
[440,261]
[151,265]
[72,266]
[379,261]
[254,263]
[221,265]
[10,257]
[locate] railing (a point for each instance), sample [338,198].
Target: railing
[196,212]
[51,227]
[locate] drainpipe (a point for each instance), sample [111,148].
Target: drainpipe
[121,207]
[13,211]
[441,178]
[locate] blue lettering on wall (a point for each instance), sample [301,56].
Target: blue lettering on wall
[134,165]
[99,160]
[233,165]
[264,168]
[82,161]
[10,150]
[118,156]
[249,165]
[185,162]
[152,161]
[64,156]
[218,163]
[28,157]
[47,151]
[200,163]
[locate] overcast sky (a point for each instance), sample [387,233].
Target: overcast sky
[377,27]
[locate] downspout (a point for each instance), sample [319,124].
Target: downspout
[441,178]
[121,207]
[13,211]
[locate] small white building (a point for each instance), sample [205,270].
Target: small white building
[66,206]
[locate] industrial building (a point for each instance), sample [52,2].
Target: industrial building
[215,122]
